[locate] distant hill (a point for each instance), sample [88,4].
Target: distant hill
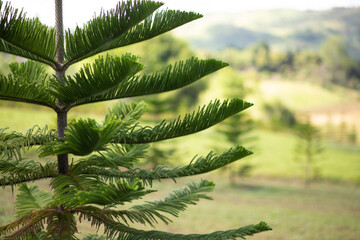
[282,29]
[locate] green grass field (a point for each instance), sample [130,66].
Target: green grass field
[301,95]
[321,212]
[276,157]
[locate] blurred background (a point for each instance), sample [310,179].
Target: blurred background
[299,63]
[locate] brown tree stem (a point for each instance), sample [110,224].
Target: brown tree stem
[63,162]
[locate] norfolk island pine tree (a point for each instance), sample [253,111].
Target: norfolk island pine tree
[93,184]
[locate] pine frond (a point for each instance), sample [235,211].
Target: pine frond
[27,227]
[96,216]
[83,137]
[66,185]
[26,37]
[27,83]
[197,166]
[106,31]
[128,113]
[30,198]
[16,166]
[199,120]
[115,230]
[75,189]
[117,156]
[62,226]
[174,77]
[39,236]
[16,171]
[155,25]
[6,229]
[120,231]
[177,201]
[11,143]
[103,76]
[29,71]
[110,194]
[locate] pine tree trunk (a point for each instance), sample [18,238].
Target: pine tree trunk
[63,163]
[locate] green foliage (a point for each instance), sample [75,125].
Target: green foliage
[199,120]
[261,56]
[340,68]
[172,204]
[11,143]
[197,166]
[331,64]
[26,37]
[15,171]
[174,77]
[83,137]
[237,129]
[130,28]
[307,149]
[279,116]
[107,30]
[30,199]
[166,50]
[128,113]
[87,82]
[94,237]
[107,195]
[28,82]
[103,173]
[124,232]
[117,156]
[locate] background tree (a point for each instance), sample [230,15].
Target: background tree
[103,172]
[339,67]
[237,129]
[261,56]
[307,149]
[278,116]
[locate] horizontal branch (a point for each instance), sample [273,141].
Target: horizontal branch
[27,83]
[103,32]
[120,231]
[197,166]
[99,78]
[26,37]
[173,77]
[11,143]
[199,120]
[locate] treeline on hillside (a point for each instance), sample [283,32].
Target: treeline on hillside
[331,64]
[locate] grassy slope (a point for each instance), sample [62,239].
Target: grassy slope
[301,95]
[276,158]
[321,212]
[274,155]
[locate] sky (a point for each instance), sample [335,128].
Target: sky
[79,11]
